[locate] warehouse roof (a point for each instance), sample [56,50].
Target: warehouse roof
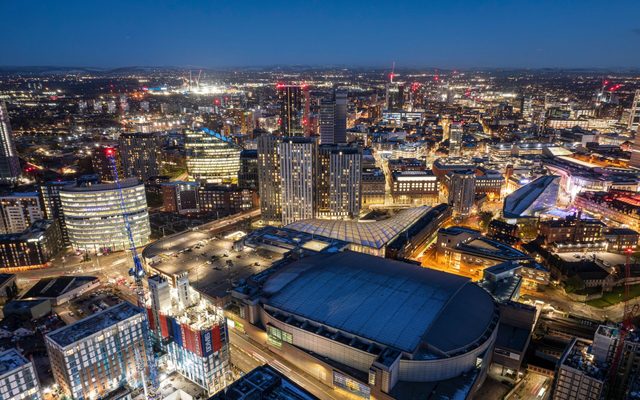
[374,234]
[389,302]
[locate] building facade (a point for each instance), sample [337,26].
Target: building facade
[269,179]
[298,173]
[18,377]
[18,211]
[94,217]
[9,162]
[248,173]
[50,197]
[333,119]
[339,182]
[141,154]
[98,354]
[32,248]
[211,157]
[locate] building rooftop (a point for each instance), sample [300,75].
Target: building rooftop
[54,287]
[263,382]
[33,233]
[393,303]
[374,234]
[11,360]
[124,183]
[526,200]
[94,324]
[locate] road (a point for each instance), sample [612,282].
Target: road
[263,354]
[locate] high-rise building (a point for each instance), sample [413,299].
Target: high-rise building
[101,163]
[211,157]
[97,355]
[18,211]
[248,174]
[462,188]
[18,377]
[50,197]
[298,157]
[455,139]
[141,154]
[339,182]
[578,377]
[94,216]
[634,117]
[292,105]
[626,379]
[180,197]
[333,119]
[9,162]
[269,180]
[394,99]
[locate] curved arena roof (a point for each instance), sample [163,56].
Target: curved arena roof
[374,234]
[424,312]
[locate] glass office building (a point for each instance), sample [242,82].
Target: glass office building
[94,217]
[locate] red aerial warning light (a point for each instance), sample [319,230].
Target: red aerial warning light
[279,86]
[628,250]
[109,152]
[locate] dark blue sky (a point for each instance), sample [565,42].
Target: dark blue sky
[445,34]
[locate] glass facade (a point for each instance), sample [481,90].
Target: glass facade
[94,217]
[211,157]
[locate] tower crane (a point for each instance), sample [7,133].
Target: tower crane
[138,273]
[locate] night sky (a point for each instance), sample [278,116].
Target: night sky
[418,33]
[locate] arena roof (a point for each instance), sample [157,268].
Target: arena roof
[374,234]
[389,302]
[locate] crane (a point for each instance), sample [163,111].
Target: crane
[138,273]
[629,313]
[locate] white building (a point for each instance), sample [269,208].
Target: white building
[18,211]
[9,163]
[297,172]
[94,218]
[18,378]
[97,355]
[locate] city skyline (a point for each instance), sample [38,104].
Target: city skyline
[455,35]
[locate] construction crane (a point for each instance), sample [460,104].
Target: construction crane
[138,273]
[629,313]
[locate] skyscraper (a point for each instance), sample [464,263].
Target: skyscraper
[634,117]
[50,197]
[101,164]
[339,182]
[248,174]
[297,173]
[462,188]
[333,119]
[211,156]
[292,106]
[9,162]
[455,139]
[141,154]
[269,180]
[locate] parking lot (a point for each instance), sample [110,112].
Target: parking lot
[88,304]
[608,259]
[214,266]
